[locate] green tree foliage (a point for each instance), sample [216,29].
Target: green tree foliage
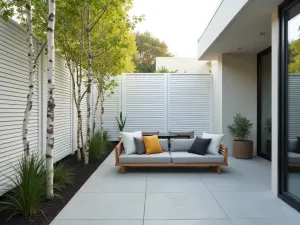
[148,48]
[294,56]
[165,70]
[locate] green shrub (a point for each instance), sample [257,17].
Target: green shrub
[62,175]
[28,188]
[99,145]
[241,127]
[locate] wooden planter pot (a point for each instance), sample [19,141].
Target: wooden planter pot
[242,149]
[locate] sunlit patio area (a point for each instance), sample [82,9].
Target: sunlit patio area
[240,195]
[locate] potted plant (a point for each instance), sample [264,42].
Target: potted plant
[268,128]
[121,123]
[240,130]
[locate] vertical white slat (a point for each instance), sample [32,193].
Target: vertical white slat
[293,106]
[13,92]
[190,103]
[166,110]
[144,102]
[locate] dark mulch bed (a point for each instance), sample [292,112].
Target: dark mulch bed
[53,207]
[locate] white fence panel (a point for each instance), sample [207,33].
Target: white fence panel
[62,110]
[189,103]
[145,102]
[13,94]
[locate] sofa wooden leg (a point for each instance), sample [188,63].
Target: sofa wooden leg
[123,169]
[218,169]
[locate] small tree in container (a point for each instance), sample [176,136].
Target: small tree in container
[240,131]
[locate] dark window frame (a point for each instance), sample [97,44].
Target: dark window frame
[259,86]
[283,107]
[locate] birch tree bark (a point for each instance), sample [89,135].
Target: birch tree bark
[101,113]
[94,114]
[50,101]
[32,72]
[88,130]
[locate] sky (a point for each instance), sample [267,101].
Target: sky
[179,23]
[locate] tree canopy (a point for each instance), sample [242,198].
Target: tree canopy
[148,47]
[294,56]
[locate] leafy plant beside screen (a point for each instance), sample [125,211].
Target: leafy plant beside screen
[241,128]
[121,122]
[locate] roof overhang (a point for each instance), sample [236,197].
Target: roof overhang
[241,26]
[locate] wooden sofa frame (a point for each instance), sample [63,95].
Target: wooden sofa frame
[124,166]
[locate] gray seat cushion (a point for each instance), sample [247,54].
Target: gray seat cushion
[181,145]
[185,157]
[293,157]
[164,157]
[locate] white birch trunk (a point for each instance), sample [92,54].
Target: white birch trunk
[79,123]
[32,72]
[94,114]
[50,101]
[88,130]
[101,114]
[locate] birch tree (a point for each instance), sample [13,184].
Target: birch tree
[70,34]
[115,62]
[106,23]
[50,101]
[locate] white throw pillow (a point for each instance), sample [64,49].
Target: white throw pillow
[128,141]
[214,145]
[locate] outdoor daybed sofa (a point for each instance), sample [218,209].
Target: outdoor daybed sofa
[175,156]
[293,154]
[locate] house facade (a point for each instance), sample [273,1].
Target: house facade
[183,65]
[254,46]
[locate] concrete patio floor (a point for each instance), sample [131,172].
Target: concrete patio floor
[158,196]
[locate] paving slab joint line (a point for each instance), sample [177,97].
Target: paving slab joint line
[145,198]
[217,202]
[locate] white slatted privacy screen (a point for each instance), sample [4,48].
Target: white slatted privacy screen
[294,106]
[189,101]
[145,102]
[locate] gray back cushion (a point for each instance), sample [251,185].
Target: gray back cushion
[146,133]
[164,144]
[292,144]
[190,134]
[181,145]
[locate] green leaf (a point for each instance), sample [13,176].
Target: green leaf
[5,16]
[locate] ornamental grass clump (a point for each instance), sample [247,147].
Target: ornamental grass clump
[99,145]
[28,188]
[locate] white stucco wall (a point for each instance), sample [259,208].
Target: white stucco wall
[216,68]
[183,65]
[239,92]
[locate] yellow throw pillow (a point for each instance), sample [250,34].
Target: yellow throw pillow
[152,144]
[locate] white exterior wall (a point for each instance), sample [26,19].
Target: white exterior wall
[217,96]
[275,96]
[239,92]
[183,65]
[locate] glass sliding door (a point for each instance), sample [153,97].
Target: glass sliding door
[289,127]
[264,104]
